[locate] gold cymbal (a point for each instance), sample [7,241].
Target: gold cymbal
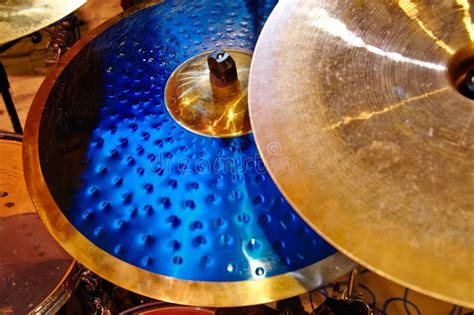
[197,106]
[22,17]
[355,112]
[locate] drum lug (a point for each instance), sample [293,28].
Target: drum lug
[92,292]
[100,309]
[90,280]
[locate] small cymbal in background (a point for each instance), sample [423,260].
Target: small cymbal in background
[19,17]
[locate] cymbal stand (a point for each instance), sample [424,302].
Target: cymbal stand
[8,100]
[5,85]
[352,295]
[349,302]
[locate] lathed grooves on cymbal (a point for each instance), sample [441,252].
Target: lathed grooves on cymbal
[142,201]
[356,116]
[19,17]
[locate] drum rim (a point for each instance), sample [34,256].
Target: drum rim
[62,292]
[8,136]
[160,305]
[133,278]
[69,281]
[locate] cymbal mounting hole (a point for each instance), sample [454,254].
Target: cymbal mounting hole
[461,72]
[9,205]
[3,194]
[259,271]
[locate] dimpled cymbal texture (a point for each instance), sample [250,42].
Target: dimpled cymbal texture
[148,204]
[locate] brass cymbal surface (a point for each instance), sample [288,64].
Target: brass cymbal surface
[197,106]
[355,111]
[22,17]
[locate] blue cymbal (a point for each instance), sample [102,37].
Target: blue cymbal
[148,204]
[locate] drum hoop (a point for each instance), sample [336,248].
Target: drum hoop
[8,136]
[62,292]
[159,305]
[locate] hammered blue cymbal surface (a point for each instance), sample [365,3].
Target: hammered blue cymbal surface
[161,197]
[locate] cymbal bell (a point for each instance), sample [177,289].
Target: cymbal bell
[356,112]
[19,18]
